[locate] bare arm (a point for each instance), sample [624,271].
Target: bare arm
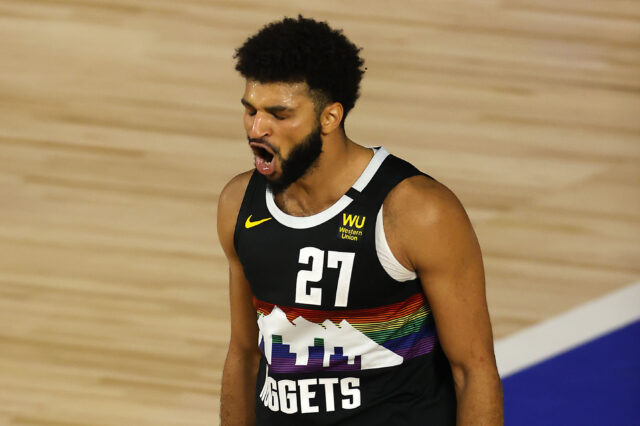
[441,246]
[241,365]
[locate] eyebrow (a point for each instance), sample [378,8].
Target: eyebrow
[270,109]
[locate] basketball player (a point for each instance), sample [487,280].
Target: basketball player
[356,281]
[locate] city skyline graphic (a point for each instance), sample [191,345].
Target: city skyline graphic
[304,346]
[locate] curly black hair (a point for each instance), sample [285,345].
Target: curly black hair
[305,50]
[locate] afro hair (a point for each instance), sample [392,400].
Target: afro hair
[304,50]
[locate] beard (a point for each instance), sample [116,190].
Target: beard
[299,162]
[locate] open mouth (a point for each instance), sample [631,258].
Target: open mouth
[263,153]
[264,158]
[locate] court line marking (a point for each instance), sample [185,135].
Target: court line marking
[566,331]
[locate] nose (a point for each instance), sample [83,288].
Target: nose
[259,126]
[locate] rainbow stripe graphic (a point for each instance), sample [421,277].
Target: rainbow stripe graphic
[341,340]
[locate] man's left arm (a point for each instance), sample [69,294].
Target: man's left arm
[440,245]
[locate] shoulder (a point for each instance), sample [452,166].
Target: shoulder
[422,201]
[422,215]
[233,192]
[229,204]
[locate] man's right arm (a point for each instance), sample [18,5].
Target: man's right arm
[241,365]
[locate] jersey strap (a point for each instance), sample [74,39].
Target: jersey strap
[393,171]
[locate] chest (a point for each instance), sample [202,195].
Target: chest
[333,265]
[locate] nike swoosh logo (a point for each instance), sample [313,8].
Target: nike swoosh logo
[248,224]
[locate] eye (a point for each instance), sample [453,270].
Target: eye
[278,117]
[250,112]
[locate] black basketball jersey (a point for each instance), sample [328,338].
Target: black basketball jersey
[342,342]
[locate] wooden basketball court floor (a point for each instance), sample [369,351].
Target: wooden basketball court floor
[120,122]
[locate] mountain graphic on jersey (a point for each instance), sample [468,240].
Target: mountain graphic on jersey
[302,340]
[307,346]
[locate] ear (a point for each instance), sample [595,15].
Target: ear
[331,117]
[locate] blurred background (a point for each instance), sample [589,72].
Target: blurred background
[120,122]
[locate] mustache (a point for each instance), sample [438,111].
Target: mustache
[264,142]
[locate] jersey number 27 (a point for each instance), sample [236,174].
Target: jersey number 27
[335,259]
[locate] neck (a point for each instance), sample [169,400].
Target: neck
[336,170]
